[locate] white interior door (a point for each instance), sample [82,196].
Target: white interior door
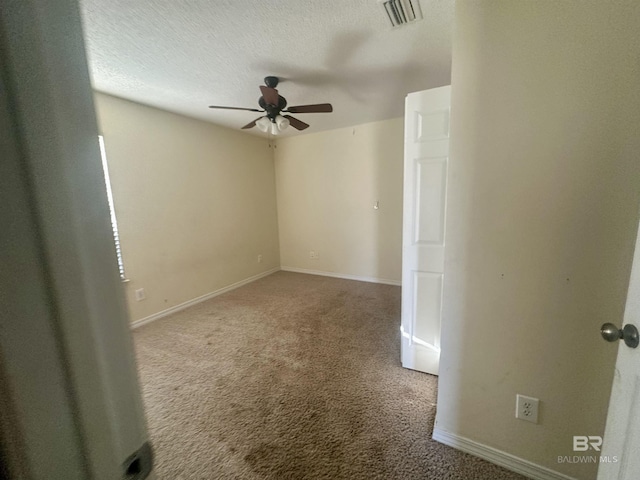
[426,152]
[619,457]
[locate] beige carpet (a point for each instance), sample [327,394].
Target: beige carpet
[293,377]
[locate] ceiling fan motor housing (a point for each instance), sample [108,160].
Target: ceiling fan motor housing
[273,110]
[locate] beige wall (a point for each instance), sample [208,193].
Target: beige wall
[542,216]
[195,202]
[327,185]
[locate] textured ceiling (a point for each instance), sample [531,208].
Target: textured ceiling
[184,55]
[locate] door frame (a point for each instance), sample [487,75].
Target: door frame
[67,366]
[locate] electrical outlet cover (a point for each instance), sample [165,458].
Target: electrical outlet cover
[527,408]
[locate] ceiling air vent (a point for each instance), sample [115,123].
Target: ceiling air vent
[402,12]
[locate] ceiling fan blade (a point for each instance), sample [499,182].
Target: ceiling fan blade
[236,108]
[318,108]
[251,124]
[295,123]
[270,95]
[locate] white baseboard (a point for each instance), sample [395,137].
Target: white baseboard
[498,457]
[342,275]
[182,306]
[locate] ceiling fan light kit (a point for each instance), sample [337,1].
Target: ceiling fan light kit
[282,122]
[273,126]
[263,124]
[273,104]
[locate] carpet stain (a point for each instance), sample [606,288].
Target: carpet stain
[265,456]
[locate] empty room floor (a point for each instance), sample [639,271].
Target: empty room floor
[292,377]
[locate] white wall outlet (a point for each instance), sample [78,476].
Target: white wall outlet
[259,258]
[313,254]
[140,295]
[527,408]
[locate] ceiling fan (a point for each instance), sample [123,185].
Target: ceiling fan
[274,105]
